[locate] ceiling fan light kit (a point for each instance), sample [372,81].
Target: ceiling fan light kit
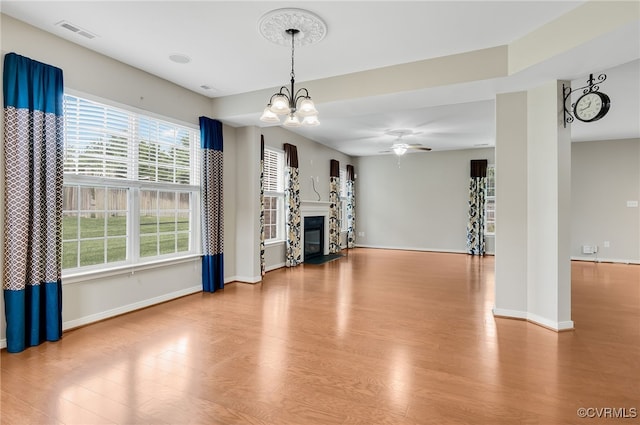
[303,28]
[399,148]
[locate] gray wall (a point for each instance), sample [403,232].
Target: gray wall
[417,203]
[605,175]
[421,203]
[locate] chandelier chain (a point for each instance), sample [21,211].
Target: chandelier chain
[293,75]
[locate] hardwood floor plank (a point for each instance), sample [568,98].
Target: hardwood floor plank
[376,337]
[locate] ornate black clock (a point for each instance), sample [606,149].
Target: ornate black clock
[591,106]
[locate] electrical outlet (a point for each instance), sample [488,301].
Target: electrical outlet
[607,244]
[589,249]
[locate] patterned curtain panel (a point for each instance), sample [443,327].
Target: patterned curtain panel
[293,254]
[334,207]
[33,163]
[262,236]
[475,226]
[211,205]
[351,207]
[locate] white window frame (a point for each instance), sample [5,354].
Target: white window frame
[278,193]
[344,227]
[133,258]
[490,188]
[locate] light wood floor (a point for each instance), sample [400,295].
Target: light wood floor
[378,337]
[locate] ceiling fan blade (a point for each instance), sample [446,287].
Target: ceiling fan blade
[419,148]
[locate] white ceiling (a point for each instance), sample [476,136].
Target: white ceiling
[228,53]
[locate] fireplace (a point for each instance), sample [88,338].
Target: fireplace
[313,236]
[315,209]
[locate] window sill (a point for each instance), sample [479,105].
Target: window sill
[84,276]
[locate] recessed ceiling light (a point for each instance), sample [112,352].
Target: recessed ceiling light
[179,58]
[206,87]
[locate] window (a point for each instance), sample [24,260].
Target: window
[490,202]
[273,178]
[131,188]
[343,200]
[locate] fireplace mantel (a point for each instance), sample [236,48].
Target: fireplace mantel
[311,209]
[321,207]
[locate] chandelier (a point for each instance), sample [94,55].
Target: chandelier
[303,27]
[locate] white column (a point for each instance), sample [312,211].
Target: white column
[247,218]
[548,208]
[533,192]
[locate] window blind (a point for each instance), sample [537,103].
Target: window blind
[105,141]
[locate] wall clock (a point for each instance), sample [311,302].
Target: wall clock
[591,106]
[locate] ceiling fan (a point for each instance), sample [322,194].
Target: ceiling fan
[399,147]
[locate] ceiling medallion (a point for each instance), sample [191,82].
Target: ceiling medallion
[274,25]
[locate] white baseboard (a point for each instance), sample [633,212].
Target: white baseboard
[82,321]
[274,267]
[512,314]
[245,279]
[553,325]
[567,325]
[92,318]
[412,248]
[405,248]
[533,318]
[594,259]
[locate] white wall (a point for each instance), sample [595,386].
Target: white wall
[247,170]
[313,161]
[419,203]
[605,175]
[96,75]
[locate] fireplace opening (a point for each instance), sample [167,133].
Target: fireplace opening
[313,237]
